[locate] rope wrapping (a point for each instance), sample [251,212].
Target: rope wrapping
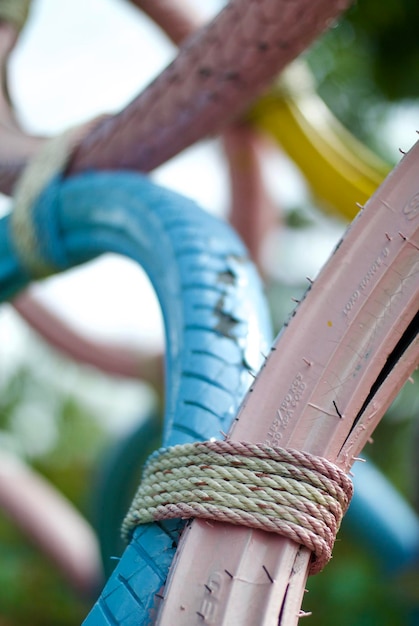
[26,236]
[35,231]
[292,493]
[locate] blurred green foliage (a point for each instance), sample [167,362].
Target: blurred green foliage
[368,62]
[353,589]
[32,593]
[388,30]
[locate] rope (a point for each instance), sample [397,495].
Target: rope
[15,11]
[292,493]
[50,161]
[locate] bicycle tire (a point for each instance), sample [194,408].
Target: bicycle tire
[406,240]
[378,518]
[218,72]
[207,85]
[215,317]
[382,522]
[115,483]
[340,170]
[346,351]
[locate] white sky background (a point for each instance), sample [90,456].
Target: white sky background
[78,59]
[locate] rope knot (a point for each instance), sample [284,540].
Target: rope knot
[289,492]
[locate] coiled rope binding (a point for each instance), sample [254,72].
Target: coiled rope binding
[34,231]
[295,494]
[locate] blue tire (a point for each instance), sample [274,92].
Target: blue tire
[216,325]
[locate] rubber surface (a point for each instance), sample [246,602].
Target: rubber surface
[382,521]
[215,318]
[346,352]
[99,212]
[116,482]
[340,171]
[218,72]
[378,518]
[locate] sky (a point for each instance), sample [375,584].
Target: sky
[78,59]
